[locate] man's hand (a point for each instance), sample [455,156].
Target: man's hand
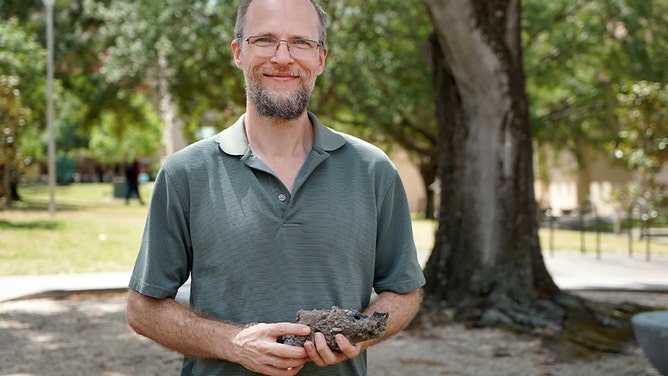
[401,309]
[323,356]
[258,350]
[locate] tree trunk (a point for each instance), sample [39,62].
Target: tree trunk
[584,205]
[487,253]
[172,136]
[5,187]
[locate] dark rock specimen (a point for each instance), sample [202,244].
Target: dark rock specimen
[356,326]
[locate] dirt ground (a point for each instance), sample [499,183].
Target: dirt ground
[87,334]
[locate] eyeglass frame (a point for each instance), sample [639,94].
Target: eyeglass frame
[319,43]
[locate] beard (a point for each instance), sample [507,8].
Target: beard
[288,107]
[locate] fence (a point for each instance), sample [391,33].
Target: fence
[638,215]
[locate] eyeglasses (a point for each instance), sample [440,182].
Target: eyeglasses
[299,48]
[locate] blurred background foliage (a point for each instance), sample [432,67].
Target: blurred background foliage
[119,63]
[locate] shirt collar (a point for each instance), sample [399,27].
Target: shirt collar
[233,140]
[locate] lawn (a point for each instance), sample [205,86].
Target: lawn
[566,241]
[90,232]
[94,232]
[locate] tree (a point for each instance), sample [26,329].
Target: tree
[578,53]
[21,56]
[370,41]
[487,241]
[87,98]
[642,141]
[643,137]
[378,81]
[487,260]
[21,87]
[137,142]
[180,53]
[13,118]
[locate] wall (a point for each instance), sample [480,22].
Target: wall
[412,180]
[561,194]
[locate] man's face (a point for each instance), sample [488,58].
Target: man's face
[278,84]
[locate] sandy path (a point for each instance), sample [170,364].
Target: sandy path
[88,335]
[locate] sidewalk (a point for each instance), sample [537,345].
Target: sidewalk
[570,270]
[15,287]
[575,271]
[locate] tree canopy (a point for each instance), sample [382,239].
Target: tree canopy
[22,86]
[378,82]
[578,56]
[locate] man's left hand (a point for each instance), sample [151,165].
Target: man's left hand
[323,356]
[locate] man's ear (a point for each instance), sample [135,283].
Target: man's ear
[323,58]
[236,51]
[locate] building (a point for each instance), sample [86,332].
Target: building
[566,192]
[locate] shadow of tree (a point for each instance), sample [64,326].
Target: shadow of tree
[30,225]
[34,206]
[74,337]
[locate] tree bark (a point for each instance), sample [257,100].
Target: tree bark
[172,134]
[487,253]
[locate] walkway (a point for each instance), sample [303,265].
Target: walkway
[571,271]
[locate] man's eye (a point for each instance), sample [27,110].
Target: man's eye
[264,40]
[303,43]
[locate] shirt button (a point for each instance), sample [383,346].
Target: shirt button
[282,197]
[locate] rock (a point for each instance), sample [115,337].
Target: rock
[356,326]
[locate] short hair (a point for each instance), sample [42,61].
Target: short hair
[243,9]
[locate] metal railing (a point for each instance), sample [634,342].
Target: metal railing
[589,203]
[638,223]
[640,206]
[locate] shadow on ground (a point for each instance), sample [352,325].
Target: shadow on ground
[37,339]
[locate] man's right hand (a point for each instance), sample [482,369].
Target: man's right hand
[258,349]
[255,347]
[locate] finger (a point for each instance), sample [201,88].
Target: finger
[272,365]
[326,354]
[293,355]
[347,348]
[313,353]
[285,328]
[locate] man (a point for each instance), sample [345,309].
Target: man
[132,181]
[275,214]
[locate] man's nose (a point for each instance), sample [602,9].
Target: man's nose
[282,52]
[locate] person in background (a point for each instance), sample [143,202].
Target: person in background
[132,181]
[275,214]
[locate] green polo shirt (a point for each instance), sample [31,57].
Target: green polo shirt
[256,252]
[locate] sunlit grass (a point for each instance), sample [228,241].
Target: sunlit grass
[90,232]
[94,232]
[565,241]
[605,243]
[424,231]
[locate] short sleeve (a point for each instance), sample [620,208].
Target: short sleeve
[397,267]
[164,260]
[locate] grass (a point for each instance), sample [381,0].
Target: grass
[605,243]
[90,232]
[94,232]
[565,241]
